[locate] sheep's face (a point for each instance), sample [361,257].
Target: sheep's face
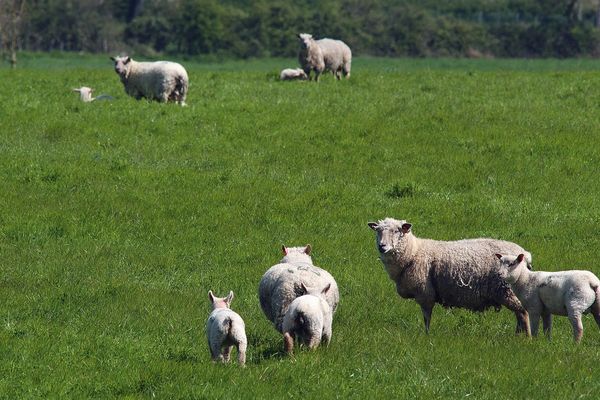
[220,302]
[391,235]
[305,40]
[296,254]
[510,266]
[121,65]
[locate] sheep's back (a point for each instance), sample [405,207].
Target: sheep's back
[335,52]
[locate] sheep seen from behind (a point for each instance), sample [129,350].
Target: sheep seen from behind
[225,329]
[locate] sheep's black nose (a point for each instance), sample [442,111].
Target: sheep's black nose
[381,248]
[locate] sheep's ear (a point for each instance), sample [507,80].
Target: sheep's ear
[113,59]
[127,59]
[499,256]
[326,289]
[373,225]
[308,249]
[520,257]
[211,296]
[303,288]
[77,90]
[229,297]
[284,250]
[406,227]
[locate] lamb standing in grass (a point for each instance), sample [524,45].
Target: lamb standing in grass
[161,80]
[337,57]
[459,273]
[308,319]
[569,293]
[310,56]
[290,74]
[225,329]
[282,283]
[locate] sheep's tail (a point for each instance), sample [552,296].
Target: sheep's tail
[181,88]
[595,308]
[228,325]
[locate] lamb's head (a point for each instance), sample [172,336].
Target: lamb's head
[220,302]
[296,254]
[85,93]
[306,40]
[511,267]
[122,65]
[392,235]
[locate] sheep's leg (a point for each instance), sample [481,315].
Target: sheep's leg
[426,309]
[215,351]
[512,303]
[241,348]
[547,321]
[534,322]
[227,353]
[595,309]
[575,318]
[288,342]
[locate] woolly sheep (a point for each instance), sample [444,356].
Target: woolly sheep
[569,293]
[337,57]
[161,80]
[308,319]
[310,56]
[225,329]
[459,273]
[282,283]
[289,74]
[85,95]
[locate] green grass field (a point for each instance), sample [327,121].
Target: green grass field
[116,218]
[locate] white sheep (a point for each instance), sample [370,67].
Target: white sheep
[460,273]
[310,56]
[337,57]
[85,95]
[569,293]
[282,283]
[161,80]
[308,319]
[225,329]
[289,74]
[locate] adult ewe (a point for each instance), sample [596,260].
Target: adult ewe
[283,282]
[460,273]
[569,293]
[310,56]
[161,80]
[337,57]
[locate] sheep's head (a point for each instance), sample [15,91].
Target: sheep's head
[296,254]
[220,302]
[511,266]
[305,39]
[391,235]
[122,65]
[318,291]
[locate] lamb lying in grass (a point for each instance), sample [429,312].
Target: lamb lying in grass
[225,329]
[290,74]
[569,293]
[85,95]
[308,319]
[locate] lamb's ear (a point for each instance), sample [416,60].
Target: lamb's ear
[113,59]
[520,257]
[127,59]
[229,297]
[211,296]
[284,250]
[308,249]
[498,256]
[326,289]
[406,227]
[373,225]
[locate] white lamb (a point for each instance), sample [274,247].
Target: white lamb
[85,95]
[161,80]
[282,283]
[225,329]
[290,74]
[308,319]
[569,293]
[337,57]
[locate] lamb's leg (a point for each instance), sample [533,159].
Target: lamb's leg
[215,351]
[575,318]
[241,348]
[595,309]
[288,342]
[534,322]
[547,321]
[227,353]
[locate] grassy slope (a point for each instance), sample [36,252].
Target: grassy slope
[117,218]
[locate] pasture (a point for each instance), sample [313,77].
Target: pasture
[116,218]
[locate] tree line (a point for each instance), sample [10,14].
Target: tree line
[262,28]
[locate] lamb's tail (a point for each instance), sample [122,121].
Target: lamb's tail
[595,308]
[228,325]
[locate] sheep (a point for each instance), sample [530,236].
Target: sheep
[225,329]
[289,74]
[459,273]
[161,80]
[308,319]
[569,293]
[337,57]
[310,56]
[282,283]
[85,95]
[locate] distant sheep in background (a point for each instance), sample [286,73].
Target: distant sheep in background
[310,56]
[569,293]
[85,95]
[289,74]
[461,273]
[282,283]
[225,329]
[337,57]
[161,80]
[308,319]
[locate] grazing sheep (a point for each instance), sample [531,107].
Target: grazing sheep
[290,74]
[85,95]
[569,293]
[282,283]
[161,80]
[310,56]
[225,329]
[459,273]
[337,57]
[308,319]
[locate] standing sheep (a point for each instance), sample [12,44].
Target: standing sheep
[310,56]
[282,283]
[337,57]
[161,80]
[459,273]
[225,329]
[308,319]
[290,74]
[569,293]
